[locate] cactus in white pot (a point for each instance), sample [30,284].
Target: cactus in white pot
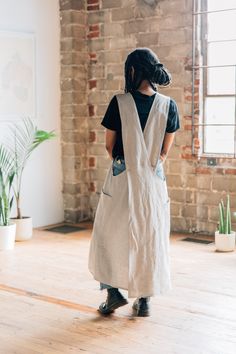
[224,236]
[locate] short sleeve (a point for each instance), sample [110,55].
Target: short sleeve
[173,118]
[111,119]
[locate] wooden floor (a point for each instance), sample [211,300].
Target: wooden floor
[48,302]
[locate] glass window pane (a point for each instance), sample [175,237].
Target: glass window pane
[221,25]
[222,53]
[220,4]
[220,110]
[220,80]
[219,140]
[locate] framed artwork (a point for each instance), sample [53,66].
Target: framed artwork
[17,76]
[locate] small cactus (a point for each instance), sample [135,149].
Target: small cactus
[225,217]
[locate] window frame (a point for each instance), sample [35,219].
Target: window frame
[199,70]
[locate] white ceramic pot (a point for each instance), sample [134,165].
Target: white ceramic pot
[7,236]
[24,228]
[225,242]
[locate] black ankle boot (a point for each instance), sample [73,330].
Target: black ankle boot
[114,300]
[141,307]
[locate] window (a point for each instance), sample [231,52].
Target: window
[214,76]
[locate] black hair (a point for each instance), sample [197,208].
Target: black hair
[146,67]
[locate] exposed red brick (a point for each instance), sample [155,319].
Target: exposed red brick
[188,156]
[91,187]
[92,84]
[91,110]
[196,143]
[92,55]
[186,147]
[230,171]
[93,35]
[195,135]
[91,162]
[92,7]
[187,127]
[188,98]
[92,2]
[93,28]
[92,136]
[203,170]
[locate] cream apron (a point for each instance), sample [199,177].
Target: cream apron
[129,248]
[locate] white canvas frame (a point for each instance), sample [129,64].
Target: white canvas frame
[17,76]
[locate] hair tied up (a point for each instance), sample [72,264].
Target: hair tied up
[160,75]
[146,67]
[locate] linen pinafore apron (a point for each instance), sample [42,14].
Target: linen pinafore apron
[129,248]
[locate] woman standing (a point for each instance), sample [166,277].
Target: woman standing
[130,239]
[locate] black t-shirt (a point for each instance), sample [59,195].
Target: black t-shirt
[143,102]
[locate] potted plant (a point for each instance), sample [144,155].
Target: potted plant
[7,228]
[25,139]
[224,236]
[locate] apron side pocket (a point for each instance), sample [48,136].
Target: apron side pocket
[160,171]
[118,167]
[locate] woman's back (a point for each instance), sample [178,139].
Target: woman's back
[143,103]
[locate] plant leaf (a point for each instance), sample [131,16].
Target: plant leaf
[228,215]
[11,202]
[220,218]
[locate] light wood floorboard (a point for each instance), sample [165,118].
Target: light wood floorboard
[48,302]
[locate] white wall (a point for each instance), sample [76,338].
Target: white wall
[42,182]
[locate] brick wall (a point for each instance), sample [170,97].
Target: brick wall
[74,112]
[104,32]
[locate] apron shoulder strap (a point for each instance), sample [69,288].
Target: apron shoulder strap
[149,142]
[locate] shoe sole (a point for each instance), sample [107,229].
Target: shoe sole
[113,307]
[143,314]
